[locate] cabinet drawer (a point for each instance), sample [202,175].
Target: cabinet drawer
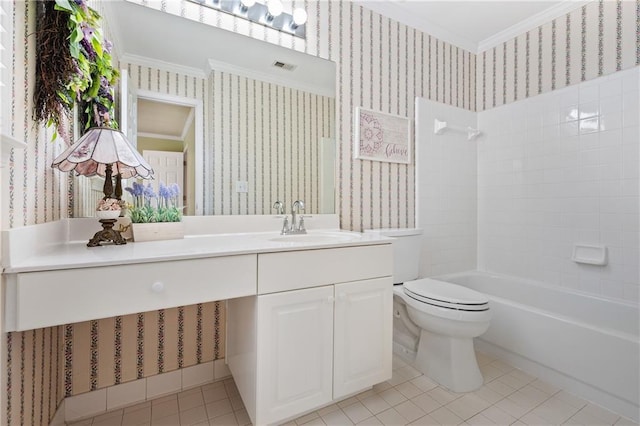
[50,298]
[311,268]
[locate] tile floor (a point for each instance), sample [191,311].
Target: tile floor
[509,397]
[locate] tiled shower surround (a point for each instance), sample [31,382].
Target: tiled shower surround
[558,169]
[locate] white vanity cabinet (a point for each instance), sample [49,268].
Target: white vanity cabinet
[317,337]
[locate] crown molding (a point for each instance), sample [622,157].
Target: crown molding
[160,136]
[392,10]
[530,23]
[162,65]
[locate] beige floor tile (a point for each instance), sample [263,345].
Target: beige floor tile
[424,383]
[315,422]
[214,394]
[304,419]
[532,419]
[336,418]
[398,362]
[393,397]
[545,387]
[193,415]
[501,388]
[467,406]
[242,417]
[111,418]
[347,402]
[425,420]
[443,396]
[328,409]
[231,388]
[371,421]
[600,413]
[490,373]
[483,358]
[219,408]
[391,417]
[85,422]
[167,408]
[137,417]
[571,399]
[357,412]
[410,411]
[502,366]
[488,394]
[236,403]
[513,380]
[555,410]
[498,416]
[173,420]
[409,390]
[225,420]
[480,420]
[444,416]
[426,403]
[366,394]
[163,399]
[137,407]
[381,387]
[511,408]
[375,404]
[191,400]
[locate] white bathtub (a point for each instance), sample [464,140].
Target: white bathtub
[587,345]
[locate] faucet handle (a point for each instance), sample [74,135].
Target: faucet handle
[285,226]
[279,206]
[301,224]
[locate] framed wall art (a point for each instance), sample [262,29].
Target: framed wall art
[382,137]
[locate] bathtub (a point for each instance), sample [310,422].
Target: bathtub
[587,345]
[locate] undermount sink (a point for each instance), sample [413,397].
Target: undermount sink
[318,237]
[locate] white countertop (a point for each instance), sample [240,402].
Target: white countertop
[49,255]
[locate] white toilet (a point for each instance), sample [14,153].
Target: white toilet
[441,318]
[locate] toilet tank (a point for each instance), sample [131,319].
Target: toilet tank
[406,252]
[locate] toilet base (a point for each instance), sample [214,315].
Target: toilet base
[449,361]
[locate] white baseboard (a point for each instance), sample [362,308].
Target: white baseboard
[100,401]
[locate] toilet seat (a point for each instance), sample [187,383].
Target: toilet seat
[446,295]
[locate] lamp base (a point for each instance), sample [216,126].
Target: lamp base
[107,234]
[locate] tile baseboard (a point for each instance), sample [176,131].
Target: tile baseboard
[98,402]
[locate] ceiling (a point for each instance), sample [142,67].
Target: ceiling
[473,25]
[163,120]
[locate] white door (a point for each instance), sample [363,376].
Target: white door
[167,167]
[295,352]
[363,335]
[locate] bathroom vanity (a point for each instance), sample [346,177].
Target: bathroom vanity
[309,317]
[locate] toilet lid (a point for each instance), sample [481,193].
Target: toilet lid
[446,295]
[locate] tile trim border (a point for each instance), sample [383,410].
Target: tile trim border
[218,371]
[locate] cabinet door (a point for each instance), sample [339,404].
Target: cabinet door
[363,335]
[295,352]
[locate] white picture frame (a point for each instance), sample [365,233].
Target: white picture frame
[382,137]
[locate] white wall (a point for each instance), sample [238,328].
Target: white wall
[445,189]
[558,169]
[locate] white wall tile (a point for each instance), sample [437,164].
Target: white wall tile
[163,384]
[197,375]
[126,394]
[86,404]
[541,192]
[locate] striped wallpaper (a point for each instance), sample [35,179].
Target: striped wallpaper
[596,39]
[269,136]
[381,65]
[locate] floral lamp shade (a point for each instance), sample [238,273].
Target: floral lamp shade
[100,147]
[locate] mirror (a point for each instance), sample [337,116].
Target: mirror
[260,132]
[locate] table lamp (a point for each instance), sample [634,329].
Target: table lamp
[104,152]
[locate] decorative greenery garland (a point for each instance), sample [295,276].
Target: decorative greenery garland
[74,65]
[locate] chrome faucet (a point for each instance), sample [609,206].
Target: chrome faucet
[297,223]
[279,206]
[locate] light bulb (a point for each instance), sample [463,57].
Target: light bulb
[274,7]
[299,16]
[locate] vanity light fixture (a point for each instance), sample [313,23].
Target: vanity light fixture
[270,14]
[105,152]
